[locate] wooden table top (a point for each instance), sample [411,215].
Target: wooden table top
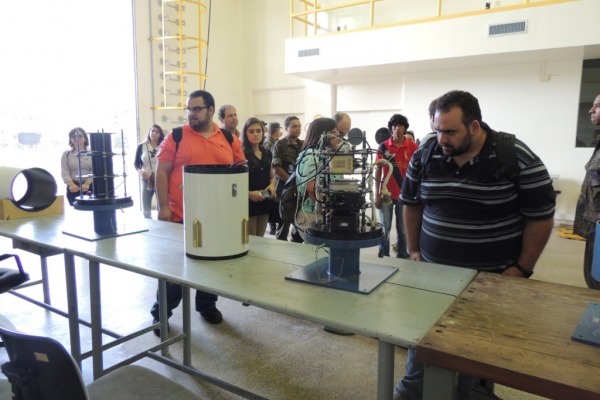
[517,332]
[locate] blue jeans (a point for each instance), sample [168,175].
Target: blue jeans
[147,200]
[385,214]
[411,385]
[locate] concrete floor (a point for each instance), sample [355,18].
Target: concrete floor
[275,356]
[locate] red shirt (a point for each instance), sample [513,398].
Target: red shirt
[195,149]
[402,155]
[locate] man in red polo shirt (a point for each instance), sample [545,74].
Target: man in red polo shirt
[398,150]
[202,142]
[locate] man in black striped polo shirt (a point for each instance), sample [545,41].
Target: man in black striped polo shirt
[461,210]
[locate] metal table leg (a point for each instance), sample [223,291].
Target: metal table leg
[73,310]
[187,327]
[163,315]
[385,371]
[45,282]
[96,319]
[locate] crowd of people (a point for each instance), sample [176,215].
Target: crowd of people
[452,200]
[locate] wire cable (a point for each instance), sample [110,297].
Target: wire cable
[207,45]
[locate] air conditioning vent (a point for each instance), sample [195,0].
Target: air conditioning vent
[511,28]
[308,53]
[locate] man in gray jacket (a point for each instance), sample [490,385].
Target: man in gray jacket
[588,206]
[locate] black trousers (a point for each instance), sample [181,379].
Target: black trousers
[284,229]
[204,300]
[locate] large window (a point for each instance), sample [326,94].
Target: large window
[65,63]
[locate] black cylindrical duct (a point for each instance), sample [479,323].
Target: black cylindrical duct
[102,165]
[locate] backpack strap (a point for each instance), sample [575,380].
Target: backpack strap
[178,134]
[427,152]
[228,135]
[506,154]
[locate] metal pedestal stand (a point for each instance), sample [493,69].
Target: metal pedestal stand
[103,202]
[342,269]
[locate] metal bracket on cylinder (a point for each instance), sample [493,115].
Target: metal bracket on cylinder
[245,231]
[197,233]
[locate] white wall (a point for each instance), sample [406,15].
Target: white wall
[227,57]
[271,94]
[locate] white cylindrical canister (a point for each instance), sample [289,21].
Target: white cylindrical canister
[30,189]
[215,211]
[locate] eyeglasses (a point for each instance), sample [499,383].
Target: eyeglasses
[195,110]
[153,153]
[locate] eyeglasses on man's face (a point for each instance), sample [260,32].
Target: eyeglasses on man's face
[195,110]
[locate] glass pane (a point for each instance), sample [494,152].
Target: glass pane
[72,66]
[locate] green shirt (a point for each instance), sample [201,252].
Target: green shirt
[307,165]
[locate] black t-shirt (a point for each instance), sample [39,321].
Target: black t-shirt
[259,178]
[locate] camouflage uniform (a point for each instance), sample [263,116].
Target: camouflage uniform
[588,213]
[269,144]
[285,154]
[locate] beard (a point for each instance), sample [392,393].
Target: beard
[460,148]
[199,125]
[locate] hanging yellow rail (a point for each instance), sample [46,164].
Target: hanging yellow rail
[312,8]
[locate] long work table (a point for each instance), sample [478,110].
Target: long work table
[43,236]
[516,332]
[399,312]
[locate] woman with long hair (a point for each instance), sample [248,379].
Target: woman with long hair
[261,184]
[145,164]
[321,133]
[76,165]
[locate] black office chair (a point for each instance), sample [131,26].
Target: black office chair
[41,369]
[10,278]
